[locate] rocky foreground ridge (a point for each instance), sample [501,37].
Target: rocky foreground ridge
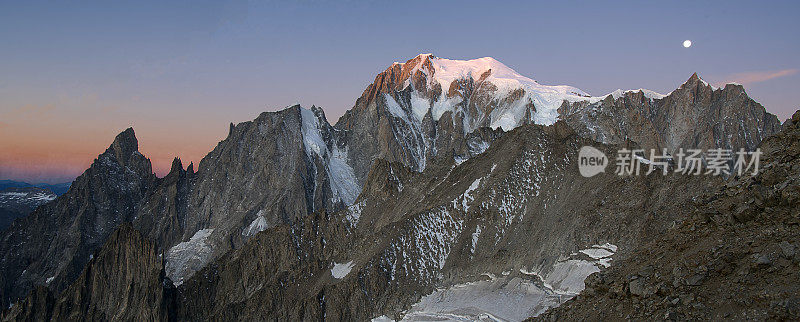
[741,261]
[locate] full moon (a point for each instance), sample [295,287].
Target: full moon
[687,43]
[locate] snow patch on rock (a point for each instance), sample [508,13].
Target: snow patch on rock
[353,212]
[186,258]
[341,176]
[597,253]
[475,236]
[466,198]
[497,299]
[259,224]
[341,270]
[647,93]
[567,276]
[410,134]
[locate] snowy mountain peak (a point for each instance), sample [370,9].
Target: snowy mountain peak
[484,91]
[446,71]
[487,69]
[647,93]
[430,106]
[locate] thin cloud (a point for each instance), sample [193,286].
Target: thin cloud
[758,77]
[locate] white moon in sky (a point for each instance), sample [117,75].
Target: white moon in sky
[687,43]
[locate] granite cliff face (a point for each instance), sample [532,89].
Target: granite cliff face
[444,174]
[122,281]
[272,171]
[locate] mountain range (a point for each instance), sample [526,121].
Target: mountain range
[18,199]
[19,202]
[57,188]
[450,190]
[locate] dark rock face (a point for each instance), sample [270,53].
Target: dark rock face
[122,282]
[270,277]
[740,264]
[51,245]
[162,210]
[285,165]
[694,116]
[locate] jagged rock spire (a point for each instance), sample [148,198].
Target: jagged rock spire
[124,145]
[177,166]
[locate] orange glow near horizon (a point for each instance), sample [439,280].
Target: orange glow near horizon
[53,138]
[61,159]
[65,160]
[50,145]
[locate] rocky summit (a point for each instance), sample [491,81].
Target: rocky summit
[696,115]
[52,245]
[450,190]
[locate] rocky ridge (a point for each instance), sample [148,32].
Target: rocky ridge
[742,264]
[694,116]
[450,225]
[410,233]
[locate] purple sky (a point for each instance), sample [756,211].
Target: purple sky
[71,77]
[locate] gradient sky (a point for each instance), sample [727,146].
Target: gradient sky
[73,76]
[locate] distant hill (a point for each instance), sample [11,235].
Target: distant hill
[18,199]
[58,188]
[19,202]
